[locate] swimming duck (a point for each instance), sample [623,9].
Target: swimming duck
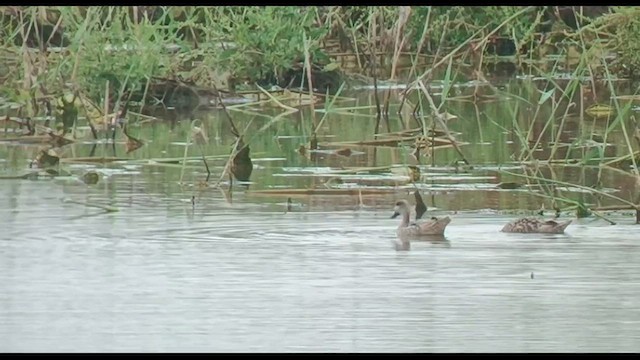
[531,225]
[434,226]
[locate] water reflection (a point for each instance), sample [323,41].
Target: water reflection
[403,243]
[435,240]
[242,166]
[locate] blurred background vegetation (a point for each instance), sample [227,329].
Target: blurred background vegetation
[233,47]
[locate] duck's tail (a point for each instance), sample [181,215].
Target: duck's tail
[561,226]
[435,226]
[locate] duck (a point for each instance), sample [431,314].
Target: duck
[532,225]
[434,226]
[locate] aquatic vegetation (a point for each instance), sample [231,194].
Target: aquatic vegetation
[389,99]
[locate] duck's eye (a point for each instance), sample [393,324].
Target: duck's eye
[399,203]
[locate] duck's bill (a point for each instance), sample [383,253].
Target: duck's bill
[395,215]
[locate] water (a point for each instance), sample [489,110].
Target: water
[237,273]
[162,276]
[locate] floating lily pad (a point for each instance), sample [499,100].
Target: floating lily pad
[91,177]
[509,185]
[600,111]
[308,192]
[99,160]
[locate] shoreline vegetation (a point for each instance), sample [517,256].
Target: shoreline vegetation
[145,51]
[114,66]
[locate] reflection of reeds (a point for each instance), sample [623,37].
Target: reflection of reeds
[106,208]
[548,185]
[464,44]
[132,143]
[560,96]
[439,119]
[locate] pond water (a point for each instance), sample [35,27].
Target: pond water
[162,276]
[236,271]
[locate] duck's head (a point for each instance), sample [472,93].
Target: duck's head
[401,207]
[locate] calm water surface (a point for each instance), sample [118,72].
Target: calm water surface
[162,276]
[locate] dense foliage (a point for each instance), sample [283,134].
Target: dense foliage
[223,46]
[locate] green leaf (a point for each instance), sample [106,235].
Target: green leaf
[227,54]
[546,96]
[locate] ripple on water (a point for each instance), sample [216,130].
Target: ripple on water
[161,276]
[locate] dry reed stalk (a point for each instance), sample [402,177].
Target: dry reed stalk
[403,16]
[438,117]
[372,47]
[466,43]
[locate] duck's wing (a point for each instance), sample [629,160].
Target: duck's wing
[413,229]
[531,225]
[523,225]
[434,226]
[552,226]
[415,226]
[551,223]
